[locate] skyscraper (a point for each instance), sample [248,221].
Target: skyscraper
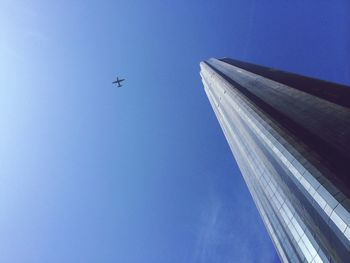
[290,136]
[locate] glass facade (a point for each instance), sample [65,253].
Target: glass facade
[302,196]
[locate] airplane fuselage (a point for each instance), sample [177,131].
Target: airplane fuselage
[118,81]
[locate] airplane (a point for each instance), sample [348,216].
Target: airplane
[118,81]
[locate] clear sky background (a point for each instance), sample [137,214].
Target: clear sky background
[92,173]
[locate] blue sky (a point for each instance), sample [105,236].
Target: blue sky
[91,173]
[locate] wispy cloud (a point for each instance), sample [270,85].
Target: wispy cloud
[223,237]
[206,234]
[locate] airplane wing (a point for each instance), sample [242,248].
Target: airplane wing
[118,82]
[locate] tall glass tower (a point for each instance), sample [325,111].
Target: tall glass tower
[290,136]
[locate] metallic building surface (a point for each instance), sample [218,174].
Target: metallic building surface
[290,136]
